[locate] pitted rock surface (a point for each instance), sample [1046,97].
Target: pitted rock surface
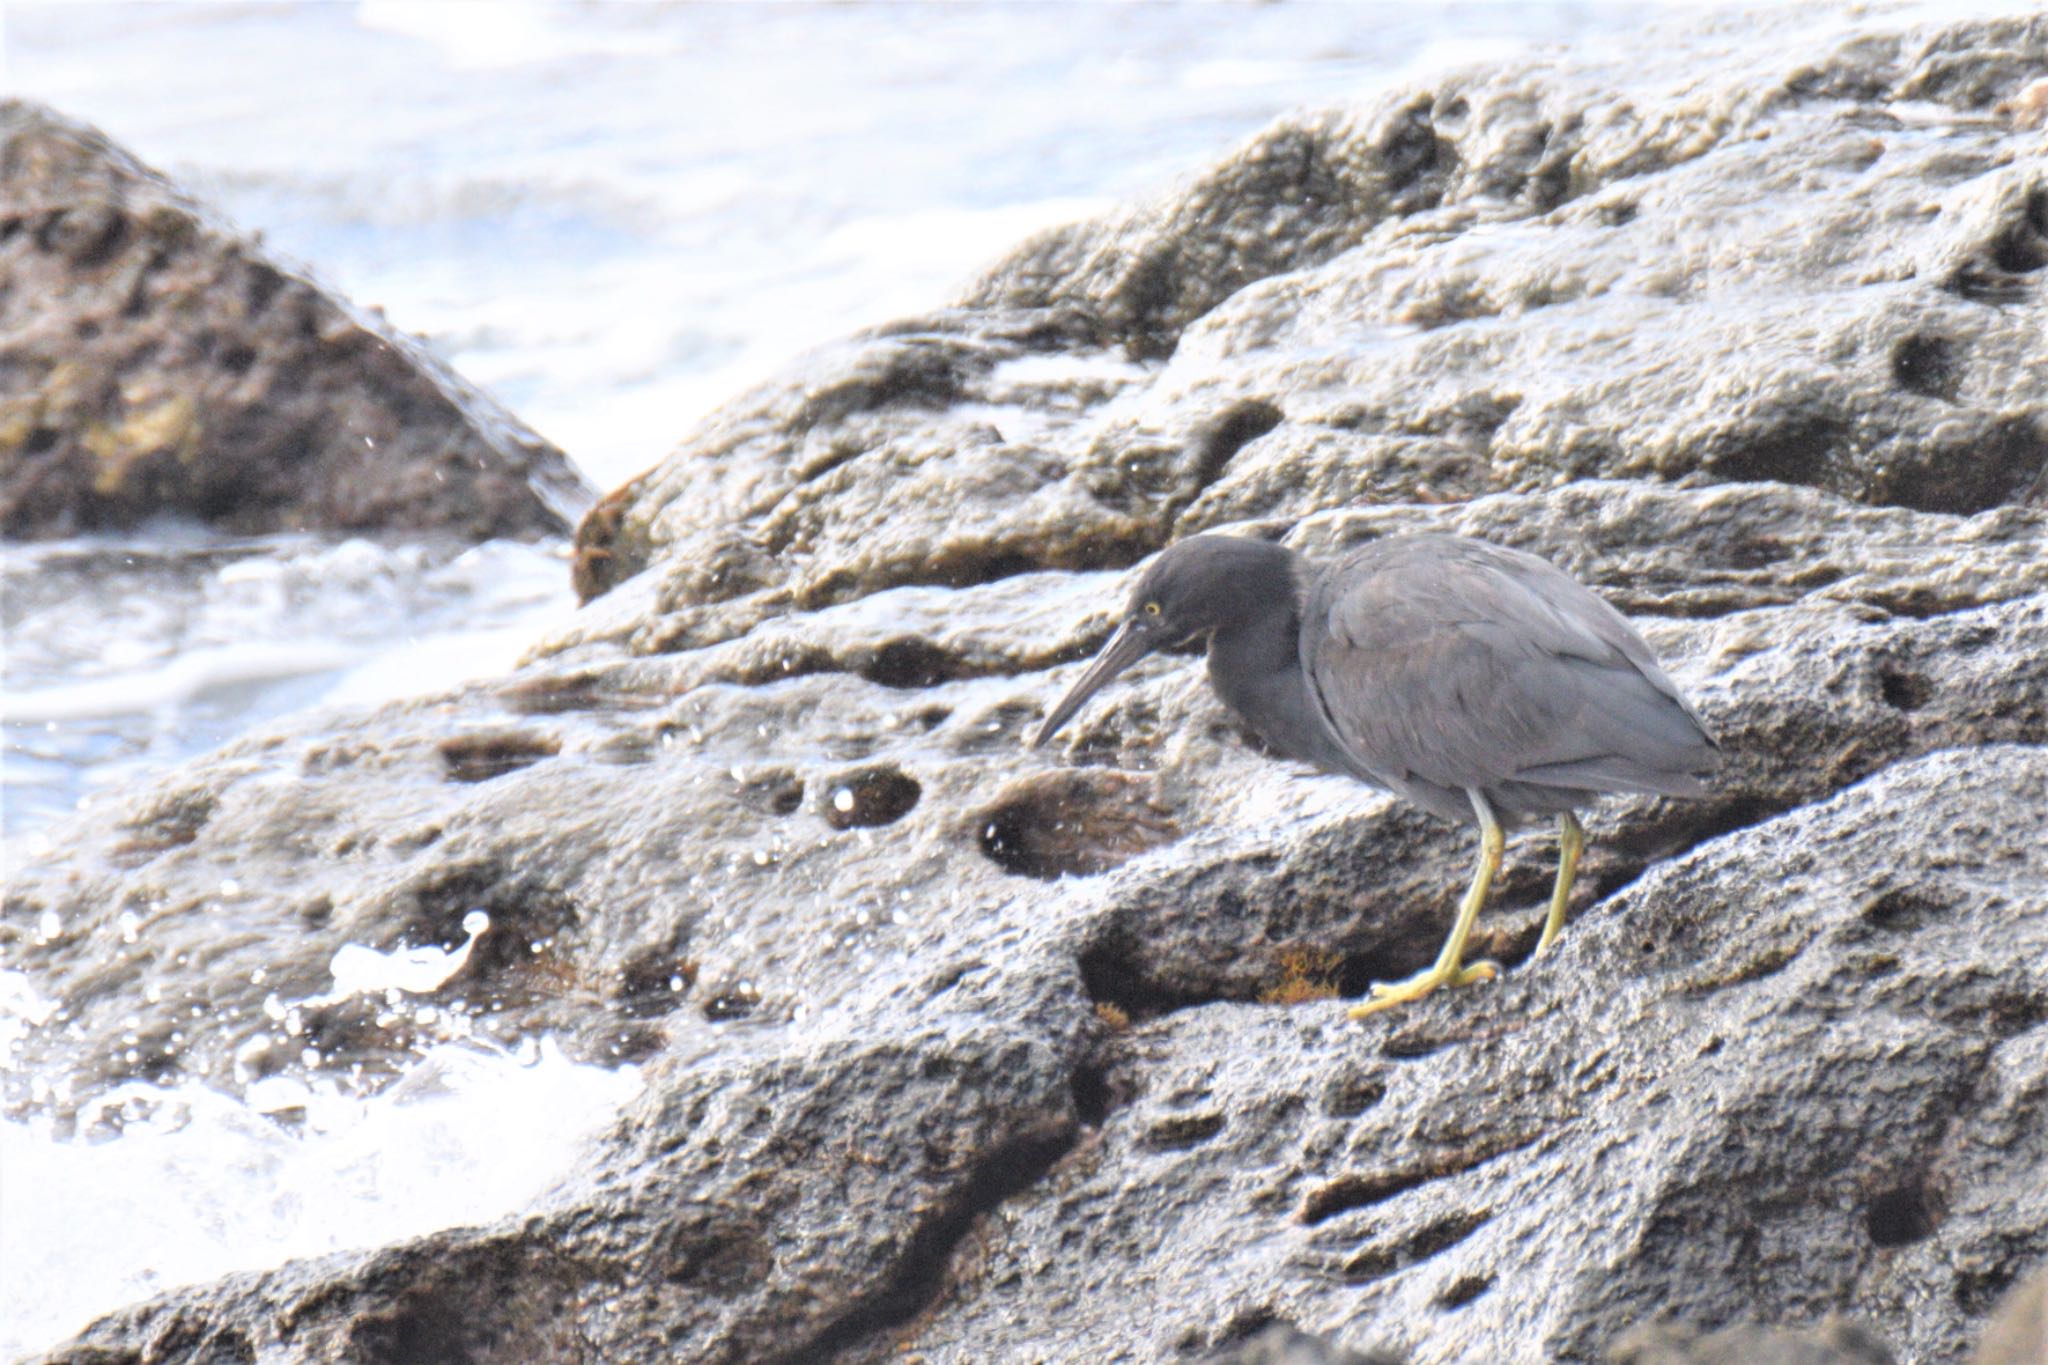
[963,1052]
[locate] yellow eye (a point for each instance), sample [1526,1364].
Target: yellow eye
[1151,608]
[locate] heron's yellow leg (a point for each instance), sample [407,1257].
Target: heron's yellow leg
[1571,842]
[1450,968]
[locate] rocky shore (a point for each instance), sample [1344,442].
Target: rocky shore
[157,363]
[961,1052]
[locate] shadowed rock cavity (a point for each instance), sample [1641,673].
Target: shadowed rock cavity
[872,796]
[1073,823]
[1029,1055]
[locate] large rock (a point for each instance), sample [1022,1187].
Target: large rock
[154,362]
[1747,256]
[984,1054]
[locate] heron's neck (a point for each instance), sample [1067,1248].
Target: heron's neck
[1256,647]
[1255,664]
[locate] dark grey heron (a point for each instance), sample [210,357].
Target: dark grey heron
[1479,682]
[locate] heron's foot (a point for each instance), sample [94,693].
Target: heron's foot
[1386,995]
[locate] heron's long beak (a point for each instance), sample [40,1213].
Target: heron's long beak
[1130,644]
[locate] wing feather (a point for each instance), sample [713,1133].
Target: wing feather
[1459,664]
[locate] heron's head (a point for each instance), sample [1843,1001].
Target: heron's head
[1201,585]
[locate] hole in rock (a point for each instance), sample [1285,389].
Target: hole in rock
[1182,1131]
[559,693]
[715,1253]
[1346,1095]
[2022,245]
[1377,1262]
[481,757]
[1095,1094]
[1901,690]
[2011,1013]
[652,983]
[905,662]
[1902,908]
[1462,1291]
[1979,1291]
[1073,822]
[1245,1324]
[737,1003]
[968,569]
[1445,1233]
[1927,365]
[1348,1192]
[1901,1215]
[775,791]
[1408,153]
[1799,449]
[261,286]
[170,822]
[420,1328]
[527,917]
[873,796]
[1236,427]
[1110,978]
[1362,1189]
[1742,548]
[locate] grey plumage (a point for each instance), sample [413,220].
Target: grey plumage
[1477,681]
[1443,664]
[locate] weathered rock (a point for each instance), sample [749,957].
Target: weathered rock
[1832,1343]
[1279,1344]
[983,1054]
[1817,265]
[778,1205]
[154,362]
[767,818]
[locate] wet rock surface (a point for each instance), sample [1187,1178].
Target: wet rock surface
[966,1052]
[153,362]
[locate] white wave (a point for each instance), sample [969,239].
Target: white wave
[199,1184]
[187,678]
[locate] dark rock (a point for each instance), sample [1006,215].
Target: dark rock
[155,362]
[975,1053]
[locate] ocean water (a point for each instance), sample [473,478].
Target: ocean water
[610,217]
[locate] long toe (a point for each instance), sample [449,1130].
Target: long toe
[1386,995]
[1482,970]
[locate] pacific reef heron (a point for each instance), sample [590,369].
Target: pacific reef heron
[1479,682]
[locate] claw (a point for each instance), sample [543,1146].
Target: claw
[1450,968]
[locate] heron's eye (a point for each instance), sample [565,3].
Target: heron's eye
[1151,608]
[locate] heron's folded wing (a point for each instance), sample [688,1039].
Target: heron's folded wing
[1466,665]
